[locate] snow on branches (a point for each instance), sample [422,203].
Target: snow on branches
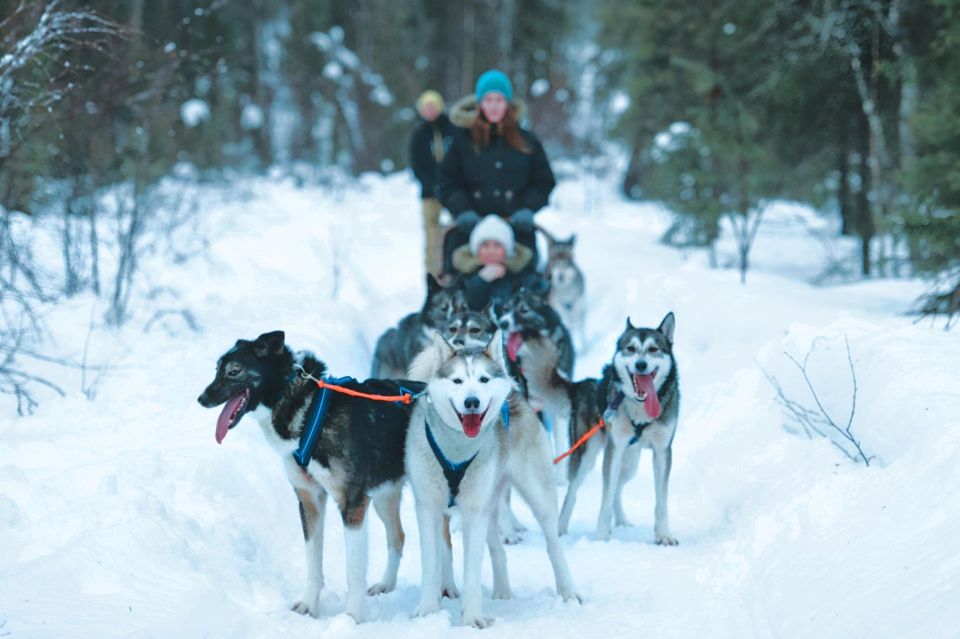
[36,70]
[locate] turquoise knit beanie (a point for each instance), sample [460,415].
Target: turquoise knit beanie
[494,80]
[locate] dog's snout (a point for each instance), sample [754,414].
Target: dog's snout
[471,403]
[504,324]
[641,365]
[203,400]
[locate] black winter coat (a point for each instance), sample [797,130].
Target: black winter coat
[423,152]
[497,179]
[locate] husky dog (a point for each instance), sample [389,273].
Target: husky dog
[463,448]
[639,400]
[397,347]
[527,315]
[567,287]
[474,329]
[357,458]
[470,328]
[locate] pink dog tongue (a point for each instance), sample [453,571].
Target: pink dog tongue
[652,403]
[223,422]
[514,342]
[471,424]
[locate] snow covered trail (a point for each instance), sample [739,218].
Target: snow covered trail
[121,517]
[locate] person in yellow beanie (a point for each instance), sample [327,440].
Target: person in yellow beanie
[428,145]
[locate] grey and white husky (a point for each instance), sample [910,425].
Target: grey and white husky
[463,448]
[398,345]
[357,460]
[474,329]
[638,397]
[468,328]
[567,288]
[528,315]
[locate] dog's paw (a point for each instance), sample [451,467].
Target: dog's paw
[570,595]
[477,621]
[603,534]
[355,612]
[302,608]
[665,539]
[623,522]
[502,593]
[511,537]
[450,592]
[427,608]
[381,588]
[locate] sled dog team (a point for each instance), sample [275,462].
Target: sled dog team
[466,407]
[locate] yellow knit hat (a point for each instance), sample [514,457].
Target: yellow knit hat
[430,97]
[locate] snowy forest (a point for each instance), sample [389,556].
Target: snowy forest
[783,176]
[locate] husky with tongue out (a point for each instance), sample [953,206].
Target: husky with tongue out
[470,437]
[356,459]
[638,397]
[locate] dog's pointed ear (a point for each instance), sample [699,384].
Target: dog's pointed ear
[494,349]
[667,325]
[268,344]
[432,285]
[630,326]
[444,350]
[490,312]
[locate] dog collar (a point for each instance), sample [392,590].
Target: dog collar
[452,472]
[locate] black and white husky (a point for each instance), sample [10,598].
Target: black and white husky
[397,347]
[470,436]
[639,400]
[357,458]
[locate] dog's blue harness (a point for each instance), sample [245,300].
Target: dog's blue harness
[637,431]
[317,415]
[637,428]
[454,472]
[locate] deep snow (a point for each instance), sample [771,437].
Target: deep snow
[121,517]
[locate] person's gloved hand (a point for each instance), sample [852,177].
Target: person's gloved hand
[491,272]
[466,221]
[522,221]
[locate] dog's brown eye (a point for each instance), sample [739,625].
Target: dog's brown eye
[474,330]
[233,372]
[457,380]
[653,349]
[631,349]
[452,329]
[484,380]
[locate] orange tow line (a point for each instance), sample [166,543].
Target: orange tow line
[583,440]
[406,398]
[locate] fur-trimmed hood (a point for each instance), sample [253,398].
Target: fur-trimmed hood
[464,111]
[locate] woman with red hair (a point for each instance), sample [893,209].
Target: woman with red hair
[493,167]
